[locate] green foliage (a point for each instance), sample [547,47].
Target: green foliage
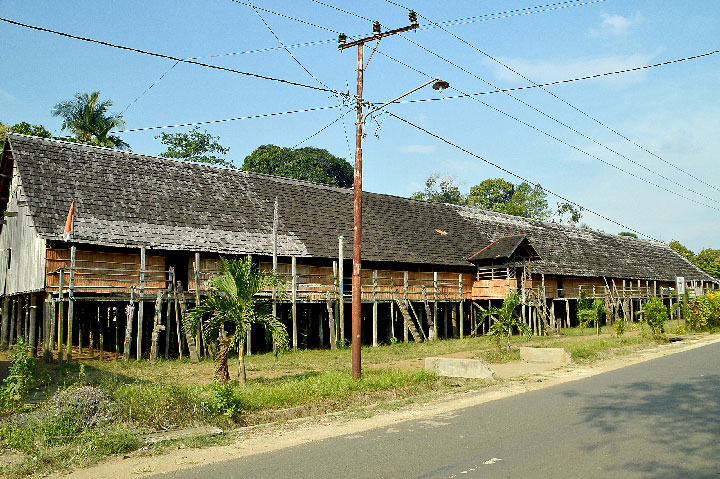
[708,260]
[90,121]
[568,213]
[311,164]
[194,146]
[654,314]
[619,327]
[24,128]
[225,402]
[440,189]
[627,233]
[703,312]
[682,251]
[20,378]
[506,319]
[590,314]
[505,197]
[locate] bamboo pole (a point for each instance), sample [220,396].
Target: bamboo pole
[462,300]
[71,303]
[141,306]
[331,320]
[375,310]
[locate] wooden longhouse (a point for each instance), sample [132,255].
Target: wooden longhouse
[147,233]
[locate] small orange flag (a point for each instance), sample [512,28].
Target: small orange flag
[69,221]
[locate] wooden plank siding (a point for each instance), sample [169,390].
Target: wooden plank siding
[104,272]
[313,282]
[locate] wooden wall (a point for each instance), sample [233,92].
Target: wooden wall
[103,272]
[22,262]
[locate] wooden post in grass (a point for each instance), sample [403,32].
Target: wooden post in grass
[141,306]
[52,321]
[567,312]
[199,339]
[129,319]
[293,268]
[61,319]
[189,339]
[435,302]
[331,320]
[405,297]
[337,299]
[176,305]
[341,297]
[71,304]
[375,309]
[168,316]
[460,306]
[32,333]
[157,328]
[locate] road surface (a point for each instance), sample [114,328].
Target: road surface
[659,418]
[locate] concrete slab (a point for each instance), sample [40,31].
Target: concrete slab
[545,355]
[459,368]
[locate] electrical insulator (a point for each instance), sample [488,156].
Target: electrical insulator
[376,28]
[342,38]
[413,17]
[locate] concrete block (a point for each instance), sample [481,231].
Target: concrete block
[459,368]
[545,355]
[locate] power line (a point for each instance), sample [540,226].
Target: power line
[247,4]
[562,124]
[169,57]
[322,129]
[559,140]
[559,82]
[564,101]
[501,168]
[250,117]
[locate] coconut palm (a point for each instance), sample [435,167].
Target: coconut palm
[231,300]
[90,121]
[506,319]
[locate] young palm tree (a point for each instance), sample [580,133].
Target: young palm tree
[231,299]
[506,319]
[89,120]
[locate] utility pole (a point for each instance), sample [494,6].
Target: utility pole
[357,182]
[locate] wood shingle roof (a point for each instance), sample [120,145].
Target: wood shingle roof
[128,199]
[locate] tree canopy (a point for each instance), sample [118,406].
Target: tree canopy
[505,197]
[440,189]
[194,146]
[90,121]
[24,128]
[312,164]
[627,233]
[707,260]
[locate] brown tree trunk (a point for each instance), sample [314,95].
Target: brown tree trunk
[222,374]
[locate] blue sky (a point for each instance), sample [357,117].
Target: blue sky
[670,113]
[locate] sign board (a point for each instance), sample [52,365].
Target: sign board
[680,283]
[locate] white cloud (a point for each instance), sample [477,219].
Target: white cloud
[419,149]
[548,70]
[614,25]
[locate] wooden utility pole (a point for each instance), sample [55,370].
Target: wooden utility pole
[357,185]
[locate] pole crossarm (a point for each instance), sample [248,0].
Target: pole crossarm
[378,36]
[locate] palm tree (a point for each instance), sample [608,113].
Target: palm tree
[89,120]
[506,319]
[232,300]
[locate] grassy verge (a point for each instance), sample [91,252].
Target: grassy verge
[146,397]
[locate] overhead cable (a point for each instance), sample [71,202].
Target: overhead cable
[170,57]
[567,103]
[505,170]
[250,117]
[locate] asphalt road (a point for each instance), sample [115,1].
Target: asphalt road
[660,418]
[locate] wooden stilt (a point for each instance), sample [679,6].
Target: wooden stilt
[168,319]
[157,328]
[337,301]
[5,332]
[199,339]
[52,320]
[331,320]
[341,279]
[435,302]
[461,305]
[33,325]
[375,310]
[428,315]
[453,318]
[71,304]
[141,306]
[129,319]
[189,339]
[405,297]
[567,312]
[293,267]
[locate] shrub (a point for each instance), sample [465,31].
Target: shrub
[20,378]
[654,314]
[506,319]
[619,327]
[703,312]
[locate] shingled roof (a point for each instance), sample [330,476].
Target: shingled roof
[504,248]
[126,199]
